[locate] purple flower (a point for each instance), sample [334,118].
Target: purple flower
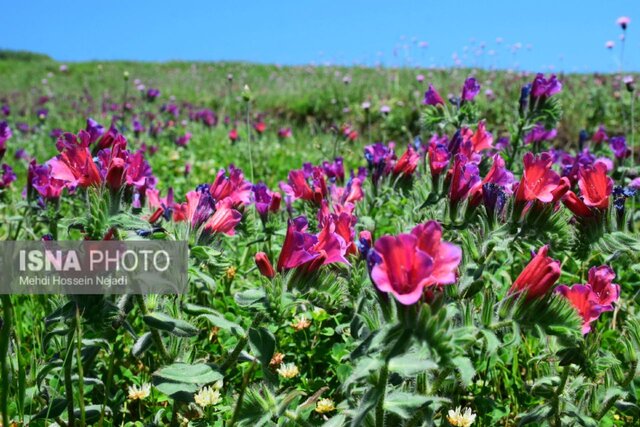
[6,110]
[494,199]
[21,154]
[543,88]
[385,109]
[470,89]
[42,113]
[183,140]
[619,146]
[95,130]
[432,97]
[539,133]
[334,171]
[152,94]
[8,176]
[137,127]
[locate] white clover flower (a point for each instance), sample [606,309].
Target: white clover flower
[139,392]
[325,406]
[207,396]
[288,370]
[458,418]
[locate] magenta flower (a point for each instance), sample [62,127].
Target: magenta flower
[601,281]
[464,177]
[265,200]
[234,187]
[539,133]
[183,140]
[8,176]
[470,89]
[600,135]
[405,264]
[432,97]
[543,88]
[5,134]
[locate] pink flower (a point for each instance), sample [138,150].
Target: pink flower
[624,22]
[464,177]
[584,301]
[407,263]
[402,269]
[601,281]
[224,219]
[446,256]
[233,186]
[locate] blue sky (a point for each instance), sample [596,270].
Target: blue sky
[567,35]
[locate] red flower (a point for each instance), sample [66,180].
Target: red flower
[446,256]
[576,205]
[74,164]
[595,185]
[538,180]
[407,163]
[538,276]
[264,265]
[481,139]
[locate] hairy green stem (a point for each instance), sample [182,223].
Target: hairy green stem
[243,389]
[68,384]
[155,335]
[78,326]
[5,335]
[382,384]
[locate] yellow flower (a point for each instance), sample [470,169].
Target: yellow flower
[139,392]
[325,406]
[301,323]
[288,370]
[457,418]
[231,272]
[207,396]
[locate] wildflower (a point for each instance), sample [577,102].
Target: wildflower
[231,272]
[624,22]
[284,133]
[458,418]
[207,396]
[404,264]
[233,135]
[539,134]
[538,180]
[288,370]
[470,89]
[47,186]
[183,140]
[538,276]
[260,126]
[610,44]
[301,323]
[265,200]
[324,406]
[432,97]
[601,282]
[481,138]
[595,185]
[385,109]
[543,88]
[407,163]
[438,158]
[139,392]
[584,300]
[8,176]
[600,135]
[152,94]
[74,164]
[464,177]
[95,130]
[619,146]
[264,265]
[276,359]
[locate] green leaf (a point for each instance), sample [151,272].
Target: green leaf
[142,344]
[411,364]
[250,297]
[55,409]
[181,380]
[177,327]
[465,369]
[216,319]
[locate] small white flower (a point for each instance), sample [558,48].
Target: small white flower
[458,418]
[288,370]
[207,396]
[139,392]
[325,406]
